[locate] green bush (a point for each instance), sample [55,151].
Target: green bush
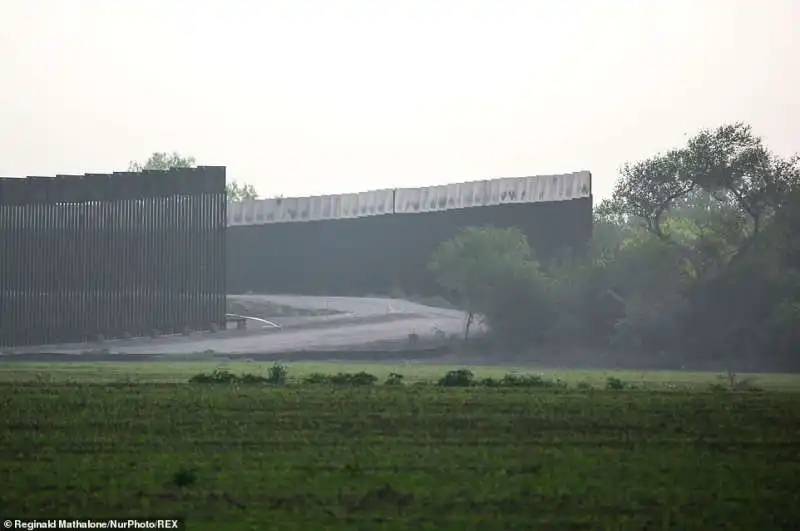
[458,378]
[277,374]
[358,378]
[317,378]
[490,382]
[184,477]
[394,379]
[251,379]
[616,384]
[217,376]
[224,376]
[532,380]
[521,311]
[342,378]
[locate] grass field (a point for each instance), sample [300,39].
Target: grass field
[180,372]
[122,440]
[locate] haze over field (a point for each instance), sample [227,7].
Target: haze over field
[306,97]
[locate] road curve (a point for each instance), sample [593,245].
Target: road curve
[362,320]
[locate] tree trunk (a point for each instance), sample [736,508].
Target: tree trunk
[470,315]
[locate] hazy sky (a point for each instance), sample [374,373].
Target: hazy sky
[312,97]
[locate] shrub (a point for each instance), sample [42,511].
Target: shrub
[584,386]
[394,379]
[342,378]
[521,311]
[251,379]
[457,378]
[317,378]
[218,375]
[490,382]
[358,378]
[277,374]
[224,376]
[616,384]
[184,477]
[532,380]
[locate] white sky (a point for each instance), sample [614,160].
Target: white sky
[313,97]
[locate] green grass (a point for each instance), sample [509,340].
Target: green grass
[408,457]
[165,372]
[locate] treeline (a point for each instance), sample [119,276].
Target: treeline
[695,260]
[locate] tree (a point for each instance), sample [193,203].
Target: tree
[241,192]
[475,263]
[726,178]
[161,160]
[521,311]
[695,258]
[693,246]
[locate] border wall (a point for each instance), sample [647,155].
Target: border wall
[118,255]
[378,241]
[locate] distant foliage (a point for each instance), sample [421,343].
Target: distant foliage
[458,378]
[161,160]
[277,374]
[476,263]
[617,384]
[317,378]
[218,375]
[252,379]
[224,376]
[694,259]
[355,379]
[241,192]
[489,382]
[184,477]
[394,379]
[532,380]
[358,378]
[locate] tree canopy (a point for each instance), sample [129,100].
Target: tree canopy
[162,160]
[695,259]
[473,265]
